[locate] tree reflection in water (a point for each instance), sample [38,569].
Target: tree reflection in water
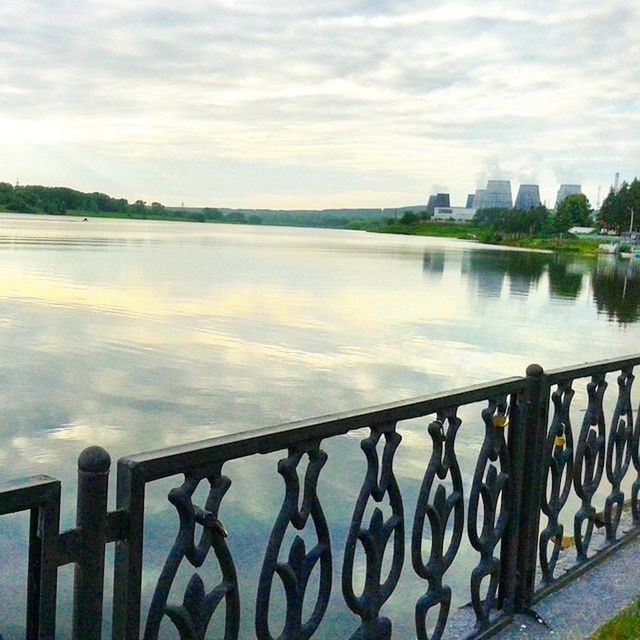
[566,277]
[616,289]
[614,282]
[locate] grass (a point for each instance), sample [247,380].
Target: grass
[566,245]
[435,229]
[471,232]
[625,626]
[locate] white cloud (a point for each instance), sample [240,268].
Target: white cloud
[371,94]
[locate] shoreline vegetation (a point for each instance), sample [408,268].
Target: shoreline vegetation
[537,229]
[568,243]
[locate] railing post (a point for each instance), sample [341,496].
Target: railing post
[91,519]
[536,416]
[42,576]
[127,579]
[510,541]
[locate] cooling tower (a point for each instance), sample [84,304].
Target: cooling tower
[528,197]
[439,200]
[566,190]
[498,194]
[478,199]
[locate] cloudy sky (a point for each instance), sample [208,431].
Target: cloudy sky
[318,103]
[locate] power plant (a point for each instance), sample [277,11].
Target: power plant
[497,194]
[567,190]
[528,197]
[478,198]
[439,200]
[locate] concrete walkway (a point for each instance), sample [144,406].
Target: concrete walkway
[578,610]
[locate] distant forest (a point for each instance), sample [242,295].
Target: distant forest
[620,211]
[66,201]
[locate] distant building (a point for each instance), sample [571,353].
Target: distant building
[567,190]
[459,214]
[582,231]
[478,199]
[439,200]
[470,199]
[528,197]
[498,194]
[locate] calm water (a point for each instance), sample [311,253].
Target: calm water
[136,335]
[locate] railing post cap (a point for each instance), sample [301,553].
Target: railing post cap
[534,371]
[94,460]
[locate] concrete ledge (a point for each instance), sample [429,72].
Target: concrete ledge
[583,606]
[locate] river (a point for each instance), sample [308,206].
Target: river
[136,335]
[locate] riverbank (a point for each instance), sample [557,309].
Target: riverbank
[454,230]
[569,244]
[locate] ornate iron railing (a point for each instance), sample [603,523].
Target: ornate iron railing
[532,462]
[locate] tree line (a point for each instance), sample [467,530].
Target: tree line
[56,200]
[574,211]
[63,200]
[621,210]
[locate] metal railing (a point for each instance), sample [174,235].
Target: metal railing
[531,463]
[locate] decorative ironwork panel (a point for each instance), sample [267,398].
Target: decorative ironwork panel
[490,484]
[375,537]
[558,477]
[635,455]
[619,448]
[589,464]
[297,570]
[515,480]
[438,508]
[39,495]
[193,616]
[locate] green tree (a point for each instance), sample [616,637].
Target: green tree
[617,209]
[157,209]
[212,214]
[6,191]
[492,217]
[139,206]
[575,210]
[235,217]
[561,222]
[408,217]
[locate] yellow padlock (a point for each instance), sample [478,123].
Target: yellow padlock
[500,421]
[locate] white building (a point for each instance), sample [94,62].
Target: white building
[459,214]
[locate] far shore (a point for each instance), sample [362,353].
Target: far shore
[461,231]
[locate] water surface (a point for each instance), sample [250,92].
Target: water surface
[136,335]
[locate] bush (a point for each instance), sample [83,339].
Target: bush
[489,237]
[409,218]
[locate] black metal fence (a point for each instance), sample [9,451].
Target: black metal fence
[533,462]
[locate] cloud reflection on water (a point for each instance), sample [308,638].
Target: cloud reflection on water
[145,344]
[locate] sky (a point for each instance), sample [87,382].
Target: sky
[318,103]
